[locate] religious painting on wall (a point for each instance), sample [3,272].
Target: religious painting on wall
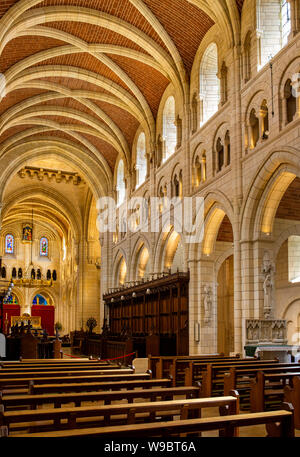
[44,247]
[9,244]
[27,233]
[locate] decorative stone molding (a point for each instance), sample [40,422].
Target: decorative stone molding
[266,331]
[58,175]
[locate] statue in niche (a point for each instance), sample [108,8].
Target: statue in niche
[207,303]
[267,296]
[268,273]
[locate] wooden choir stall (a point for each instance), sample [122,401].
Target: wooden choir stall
[151,316]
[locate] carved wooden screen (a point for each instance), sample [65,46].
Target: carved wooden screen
[155,308]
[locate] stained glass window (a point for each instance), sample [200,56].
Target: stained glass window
[39,300]
[12,300]
[121,189]
[169,128]
[44,247]
[141,161]
[9,244]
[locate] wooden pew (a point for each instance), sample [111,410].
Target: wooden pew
[161,365]
[193,371]
[240,378]
[93,386]
[24,382]
[130,414]
[72,368]
[64,372]
[213,377]
[105,395]
[278,423]
[38,362]
[292,395]
[268,386]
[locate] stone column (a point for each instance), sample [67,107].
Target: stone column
[295,17]
[296,93]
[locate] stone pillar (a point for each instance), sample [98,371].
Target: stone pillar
[203,275]
[295,17]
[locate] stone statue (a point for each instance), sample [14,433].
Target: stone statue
[267,295]
[207,303]
[268,273]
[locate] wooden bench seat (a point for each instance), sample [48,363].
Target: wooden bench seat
[108,414]
[204,372]
[24,382]
[262,389]
[54,362]
[36,388]
[292,395]
[213,380]
[240,379]
[64,372]
[63,368]
[161,365]
[106,396]
[278,423]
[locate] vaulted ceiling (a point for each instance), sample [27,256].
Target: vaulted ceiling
[90,72]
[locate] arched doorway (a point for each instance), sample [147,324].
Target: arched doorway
[225,309]
[42,306]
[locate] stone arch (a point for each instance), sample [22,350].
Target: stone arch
[90,169]
[141,258]
[285,160]
[118,259]
[49,295]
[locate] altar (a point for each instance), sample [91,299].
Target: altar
[35,321]
[284,353]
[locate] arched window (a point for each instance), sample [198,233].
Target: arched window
[220,154]
[247,57]
[38,274]
[264,113]
[274,26]
[141,161]
[198,172]
[14,272]
[44,246]
[39,300]
[48,275]
[254,126]
[169,128]
[9,244]
[177,185]
[122,272]
[121,190]
[209,83]
[3,272]
[64,248]
[54,275]
[290,101]
[33,273]
[285,21]
[20,273]
[12,300]
[227,148]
